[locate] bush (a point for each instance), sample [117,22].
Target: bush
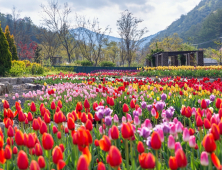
[86,63]
[107,64]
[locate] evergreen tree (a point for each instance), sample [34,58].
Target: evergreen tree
[38,55]
[11,42]
[5,55]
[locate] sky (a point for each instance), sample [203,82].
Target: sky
[156,14]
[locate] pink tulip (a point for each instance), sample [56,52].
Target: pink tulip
[115,118]
[171,142]
[153,112]
[204,158]
[178,146]
[148,124]
[129,118]
[160,132]
[173,129]
[13,97]
[6,95]
[136,120]
[186,135]
[179,127]
[124,119]
[192,141]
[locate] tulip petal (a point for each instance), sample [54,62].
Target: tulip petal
[215,160]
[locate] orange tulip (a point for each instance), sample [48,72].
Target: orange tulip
[125,108]
[33,107]
[114,157]
[173,163]
[82,163]
[209,143]
[105,143]
[41,162]
[60,104]
[215,161]
[82,137]
[90,117]
[57,154]
[22,160]
[79,107]
[114,132]
[140,147]
[181,158]
[2,157]
[147,161]
[34,165]
[47,141]
[155,141]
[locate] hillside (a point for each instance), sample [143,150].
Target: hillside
[199,25]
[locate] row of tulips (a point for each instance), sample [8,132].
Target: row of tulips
[71,141]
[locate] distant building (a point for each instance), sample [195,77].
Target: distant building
[210,62]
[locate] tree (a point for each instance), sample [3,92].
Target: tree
[38,58]
[57,21]
[129,32]
[11,42]
[27,51]
[91,39]
[5,55]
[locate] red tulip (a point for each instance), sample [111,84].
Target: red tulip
[105,143]
[2,157]
[215,131]
[83,137]
[61,164]
[111,101]
[114,132]
[191,131]
[41,162]
[101,166]
[203,104]
[82,163]
[30,117]
[147,161]
[78,106]
[83,117]
[220,113]
[57,154]
[219,126]
[132,104]
[10,131]
[96,142]
[43,128]
[209,143]
[59,135]
[15,150]
[60,104]
[155,141]
[89,125]
[1,142]
[22,160]
[173,163]
[54,129]
[95,105]
[207,124]
[38,149]
[31,141]
[10,141]
[114,157]
[8,152]
[140,147]
[5,104]
[35,124]
[62,147]
[47,141]
[218,103]
[199,121]
[127,130]
[53,105]
[47,118]
[33,107]
[71,124]
[125,108]
[34,165]
[86,104]
[181,158]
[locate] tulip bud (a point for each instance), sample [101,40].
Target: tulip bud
[41,162]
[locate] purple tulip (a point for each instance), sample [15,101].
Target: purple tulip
[143,105]
[160,105]
[212,98]
[163,97]
[149,107]
[145,132]
[108,120]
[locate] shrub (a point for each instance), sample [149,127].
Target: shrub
[86,63]
[107,64]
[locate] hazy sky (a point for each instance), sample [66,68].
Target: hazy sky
[157,14]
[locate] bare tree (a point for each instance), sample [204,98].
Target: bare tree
[56,19]
[129,32]
[91,38]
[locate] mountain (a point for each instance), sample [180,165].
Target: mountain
[201,24]
[110,38]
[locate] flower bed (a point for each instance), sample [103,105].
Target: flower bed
[117,124]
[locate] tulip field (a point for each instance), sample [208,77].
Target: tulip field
[101,121]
